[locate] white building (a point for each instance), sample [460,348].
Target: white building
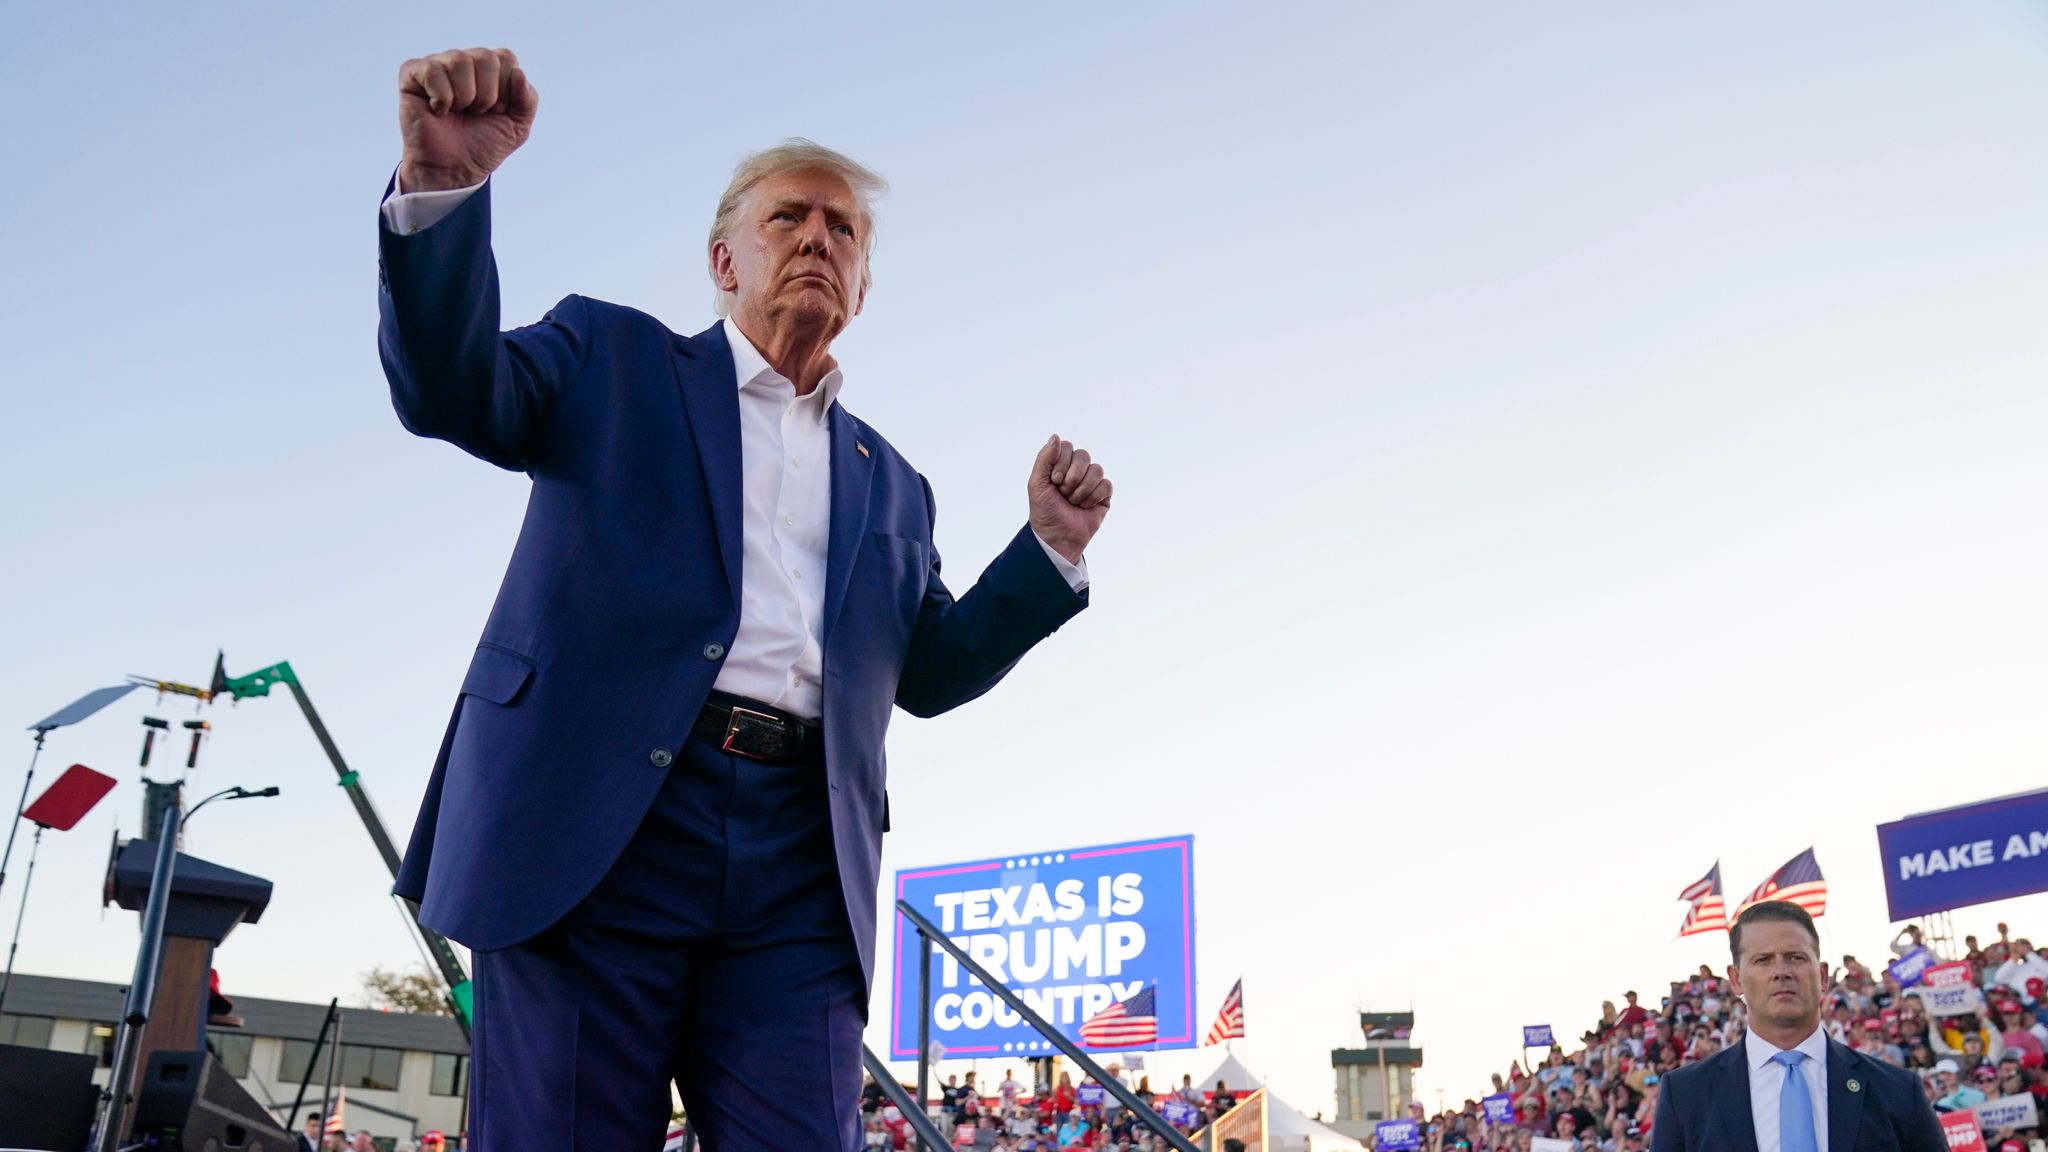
[402,1074]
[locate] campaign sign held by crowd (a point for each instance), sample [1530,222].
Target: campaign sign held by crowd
[1397,1136]
[1500,1108]
[1071,932]
[1957,857]
[1945,975]
[1090,1095]
[1536,1036]
[2009,1112]
[1908,969]
[1962,1132]
[1950,999]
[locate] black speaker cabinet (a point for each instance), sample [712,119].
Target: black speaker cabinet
[188,1103]
[47,1099]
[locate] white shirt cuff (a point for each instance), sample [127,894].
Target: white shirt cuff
[408,212]
[1076,574]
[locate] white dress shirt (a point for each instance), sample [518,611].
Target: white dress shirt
[786,496]
[1767,1083]
[786,492]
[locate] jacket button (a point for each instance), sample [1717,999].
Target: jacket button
[661,758]
[714,650]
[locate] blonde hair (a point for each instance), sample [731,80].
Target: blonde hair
[793,155]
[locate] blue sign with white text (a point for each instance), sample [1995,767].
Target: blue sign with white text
[1536,1036]
[1397,1136]
[1500,1108]
[1907,970]
[1071,932]
[1957,857]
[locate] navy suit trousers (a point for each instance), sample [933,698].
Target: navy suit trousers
[715,954]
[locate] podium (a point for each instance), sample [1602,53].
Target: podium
[207,901]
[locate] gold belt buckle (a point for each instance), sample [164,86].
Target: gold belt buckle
[732,730]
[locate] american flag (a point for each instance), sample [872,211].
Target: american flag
[1124,1024]
[337,1115]
[1709,911]
[1798,882]
[1230,1018]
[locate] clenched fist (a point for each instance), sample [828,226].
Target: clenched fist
[461,113]
[1069,497]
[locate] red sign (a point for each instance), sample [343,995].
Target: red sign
[1943,975]
[63,804]
[1962,1132]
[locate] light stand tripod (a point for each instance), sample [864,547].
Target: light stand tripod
[71,713]
[15,824]
[61,806]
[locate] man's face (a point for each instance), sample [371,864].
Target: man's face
[796,255]
[1780,976]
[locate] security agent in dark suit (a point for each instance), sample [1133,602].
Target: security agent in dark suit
[1787,1087]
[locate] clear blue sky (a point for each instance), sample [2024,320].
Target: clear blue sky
[1556,446]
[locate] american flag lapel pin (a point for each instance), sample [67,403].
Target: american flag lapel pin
[861,448]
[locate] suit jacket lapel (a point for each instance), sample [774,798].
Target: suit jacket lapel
[1845,1104]
[853,474]
[1732,1100]
[704,374]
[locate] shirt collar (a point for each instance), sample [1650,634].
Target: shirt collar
[749,365]
[1760,1050]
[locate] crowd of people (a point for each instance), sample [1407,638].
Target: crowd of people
[1047,1116]
[1602,1095]
[316,1136]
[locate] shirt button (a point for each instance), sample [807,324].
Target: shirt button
[796,461]
[797,572]
[714,650]
[661,758]
[789,520]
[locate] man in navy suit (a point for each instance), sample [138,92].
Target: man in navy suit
[657,813]
[1788,1087]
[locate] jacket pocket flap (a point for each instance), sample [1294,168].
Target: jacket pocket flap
[496,674]
[898,545]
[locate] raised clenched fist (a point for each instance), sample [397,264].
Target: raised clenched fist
[461,113]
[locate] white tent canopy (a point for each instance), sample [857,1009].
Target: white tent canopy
[1232,1072]
[1292,1132]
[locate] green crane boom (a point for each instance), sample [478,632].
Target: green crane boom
[259,683]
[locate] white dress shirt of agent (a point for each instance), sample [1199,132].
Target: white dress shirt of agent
[1783,981]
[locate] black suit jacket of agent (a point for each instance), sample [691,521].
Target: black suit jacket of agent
[1705,1107]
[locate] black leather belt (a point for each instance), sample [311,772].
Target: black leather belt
[756,731]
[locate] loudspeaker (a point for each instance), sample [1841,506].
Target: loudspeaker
[188,1103]
[47,1099]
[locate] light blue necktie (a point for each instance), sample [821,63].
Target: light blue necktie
[1795,1107]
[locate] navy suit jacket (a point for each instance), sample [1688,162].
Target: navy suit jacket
[622,595]
[1705,1107]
